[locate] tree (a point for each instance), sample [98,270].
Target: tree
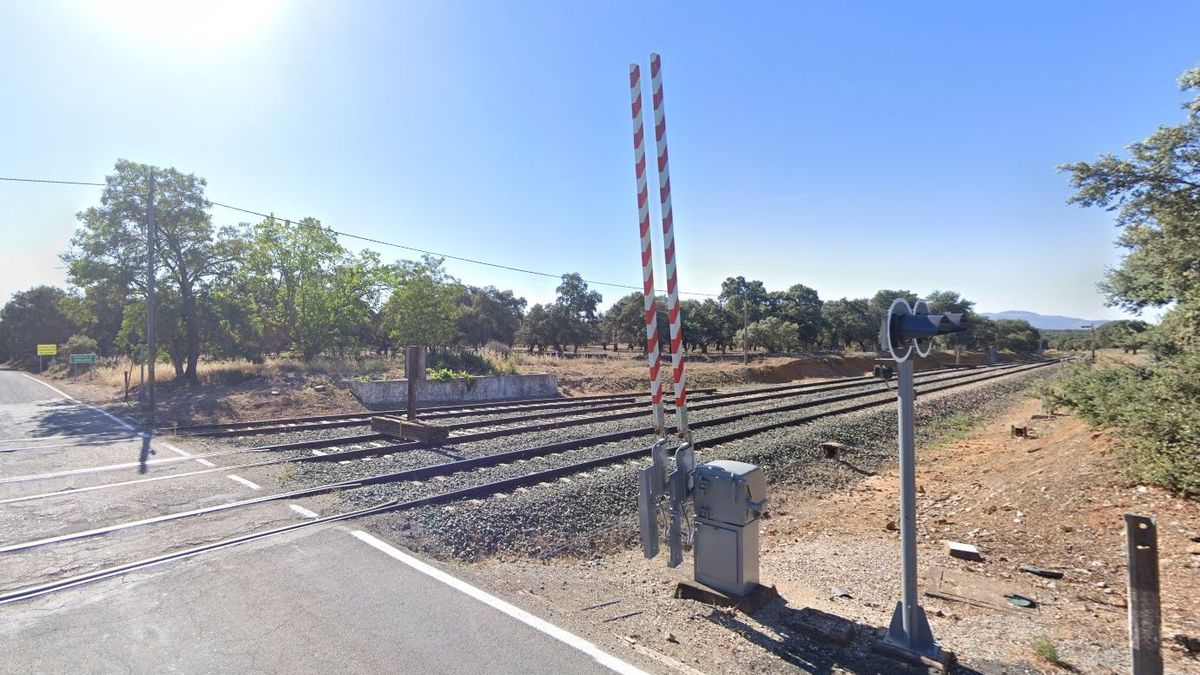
[424,305]
[708,323]
[850,321]
[577,319]
[1129,335]
[535,330]
[489,314]
[1017,335]
[100,313]
[881,302]
[800,305]
[1155,191]
[311,294]
[774,334]
[983,333]
[110,248]
[81,344]
[37,316]
[738,295]
[625,322]
[231,326]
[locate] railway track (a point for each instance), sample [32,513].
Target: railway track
[339,420]
[342,420]
[848,402]
[374,444]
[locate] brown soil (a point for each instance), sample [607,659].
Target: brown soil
[281,394]
[260,398]
[1054,501]
[630,373]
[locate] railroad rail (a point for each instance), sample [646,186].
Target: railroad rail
[477,491]
[337,420]
[375,444]
[342,420]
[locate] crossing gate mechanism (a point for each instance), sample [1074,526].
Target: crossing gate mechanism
[728,499]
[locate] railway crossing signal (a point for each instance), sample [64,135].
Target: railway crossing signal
[906,329]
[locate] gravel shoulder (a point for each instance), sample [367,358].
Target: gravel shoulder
[1053,501]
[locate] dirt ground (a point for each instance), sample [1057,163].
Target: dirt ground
[629,373]
[1053,501]
[292,394]
[257,399]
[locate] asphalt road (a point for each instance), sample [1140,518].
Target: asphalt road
[328,598]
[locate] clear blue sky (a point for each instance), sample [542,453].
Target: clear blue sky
[848,148]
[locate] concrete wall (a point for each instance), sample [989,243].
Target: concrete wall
[394,393]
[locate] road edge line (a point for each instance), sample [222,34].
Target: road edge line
[102,411]
[599,655]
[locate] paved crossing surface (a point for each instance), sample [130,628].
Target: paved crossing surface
[325,599]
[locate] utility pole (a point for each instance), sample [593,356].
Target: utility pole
[745,329]
[1092,329]
[151,337]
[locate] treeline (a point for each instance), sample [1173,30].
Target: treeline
[1128,335]
[797,319]
[1155,192]
[277,287]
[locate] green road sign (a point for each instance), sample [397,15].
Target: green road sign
[47,350]
[83,358]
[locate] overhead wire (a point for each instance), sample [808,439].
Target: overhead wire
[381,242]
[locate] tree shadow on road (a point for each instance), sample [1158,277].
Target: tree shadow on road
[66,418]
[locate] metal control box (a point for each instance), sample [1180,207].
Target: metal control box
[729,497]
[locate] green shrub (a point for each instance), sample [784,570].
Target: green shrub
[445,374]
[1156,408]
[81,344]
[1044,648]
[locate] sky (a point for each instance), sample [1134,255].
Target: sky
[845,146]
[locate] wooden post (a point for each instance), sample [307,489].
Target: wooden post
[1145,613]
[410,374]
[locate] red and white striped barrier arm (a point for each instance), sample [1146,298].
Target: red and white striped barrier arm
[668,226]
[643,202]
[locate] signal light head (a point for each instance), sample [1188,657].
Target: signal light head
[906,327]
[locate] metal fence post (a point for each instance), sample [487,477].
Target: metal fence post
[1145,613]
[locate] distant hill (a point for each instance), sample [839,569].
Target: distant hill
[1045,321]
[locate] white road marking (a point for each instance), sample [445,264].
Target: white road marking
[303,511]
[603,658]
[39,438]
[63,394]
[66,445]
[181,453]
[243,481]
[318,453]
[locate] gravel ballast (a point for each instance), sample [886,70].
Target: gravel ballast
[589,514]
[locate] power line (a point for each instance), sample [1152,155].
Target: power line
[52,182]
[381,242]
[446,255]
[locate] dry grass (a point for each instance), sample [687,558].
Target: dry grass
[233,372]
[629,372]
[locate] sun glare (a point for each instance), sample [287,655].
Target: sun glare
[194,24]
